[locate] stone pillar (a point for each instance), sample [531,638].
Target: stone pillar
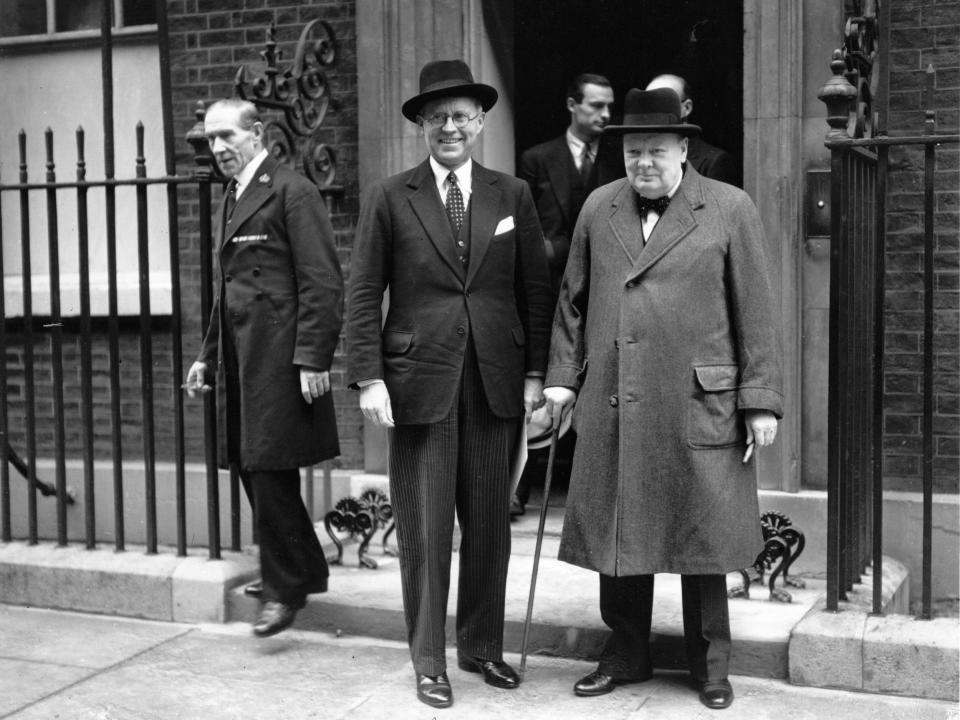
[772,154]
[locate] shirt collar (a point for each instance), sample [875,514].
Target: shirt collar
[576,145]
[463,173]
[244,177]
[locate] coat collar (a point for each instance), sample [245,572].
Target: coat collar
[484,205]
[676,223]
[254,196]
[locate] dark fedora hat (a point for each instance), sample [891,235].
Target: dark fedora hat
[652,111]
[447,78]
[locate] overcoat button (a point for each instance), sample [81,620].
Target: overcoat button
[259,296]
[614,401]
[256,272]
[229,278]
[461,330]
[631,285]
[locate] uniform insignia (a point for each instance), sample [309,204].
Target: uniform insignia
[264,179]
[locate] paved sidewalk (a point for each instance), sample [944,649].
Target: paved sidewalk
[77,667]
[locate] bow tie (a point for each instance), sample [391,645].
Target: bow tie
[658,205]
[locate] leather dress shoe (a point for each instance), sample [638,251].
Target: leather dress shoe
[274,617]
[434,691]
[254,589]
[716,694]
[598,683]
[495,672]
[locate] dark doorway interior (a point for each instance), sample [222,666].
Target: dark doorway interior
[629,41]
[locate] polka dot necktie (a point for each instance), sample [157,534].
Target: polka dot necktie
[454,203]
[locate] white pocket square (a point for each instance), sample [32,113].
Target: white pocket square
[504,225]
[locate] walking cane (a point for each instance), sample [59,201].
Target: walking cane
[554,434]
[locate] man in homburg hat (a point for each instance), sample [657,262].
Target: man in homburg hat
[269,345]
[665,335]
[452,369]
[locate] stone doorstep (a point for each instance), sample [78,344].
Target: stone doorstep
[131,583]
[893,654]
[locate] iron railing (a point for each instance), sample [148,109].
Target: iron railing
[859,169]
[315,50]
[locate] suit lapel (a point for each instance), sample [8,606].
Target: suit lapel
[676,223]
[484,210]
[426,204]
[559,164]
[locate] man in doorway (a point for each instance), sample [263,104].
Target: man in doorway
[270,342]
[561,173]
[710,161]
[454,368]
[666,293]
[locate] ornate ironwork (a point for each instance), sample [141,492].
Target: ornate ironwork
[861,58]
[782,545]
[299,91]
[361,517]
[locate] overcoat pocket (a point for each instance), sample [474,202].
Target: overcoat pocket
[396,342]
[712,420]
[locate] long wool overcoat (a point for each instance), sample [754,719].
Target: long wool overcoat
[280,292]
[666,343]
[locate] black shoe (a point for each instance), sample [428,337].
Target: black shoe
[274,617]
[434,691]
[254,589]
[716,694]
[598,683]
[495,672]
[517,508]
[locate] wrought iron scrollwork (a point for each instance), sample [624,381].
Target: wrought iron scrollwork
[301,92]
[782,545]
[361,517]
[861,55]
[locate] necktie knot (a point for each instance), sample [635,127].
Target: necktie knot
[658,205]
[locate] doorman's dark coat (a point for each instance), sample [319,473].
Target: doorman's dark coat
[281,291]
[671,341]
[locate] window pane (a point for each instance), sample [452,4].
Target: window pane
[23,17]
[78,14]
[139,12]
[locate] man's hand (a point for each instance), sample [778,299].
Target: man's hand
[559,401]
[532,396]
[313,383]
[375,404]
[761,430]
[196,380]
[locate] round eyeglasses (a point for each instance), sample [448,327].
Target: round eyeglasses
[460,119]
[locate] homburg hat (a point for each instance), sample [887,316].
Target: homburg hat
[447,78]
[652,111]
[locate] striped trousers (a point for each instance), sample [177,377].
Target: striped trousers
[458,465]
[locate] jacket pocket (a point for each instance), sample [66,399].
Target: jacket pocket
[712,419]
[518,335]
[396,342]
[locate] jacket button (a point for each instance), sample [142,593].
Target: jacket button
[461,330]
[256,272]
[229,278]
[259,296]
[614,401]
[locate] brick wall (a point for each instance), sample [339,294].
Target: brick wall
[923,33]
[209,41]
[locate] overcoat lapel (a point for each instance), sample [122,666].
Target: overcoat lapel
[675,224]
[253,197]
[484,214]
[625,223]
[426,204]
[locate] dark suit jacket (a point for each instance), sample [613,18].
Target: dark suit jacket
[280,291]
[558,193]
[502,301]
[712,162]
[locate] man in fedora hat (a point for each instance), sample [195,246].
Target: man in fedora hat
[666,293]
[452,369]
